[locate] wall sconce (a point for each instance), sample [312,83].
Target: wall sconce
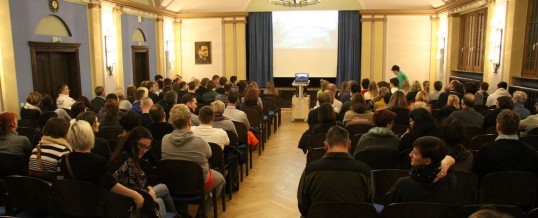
[109,60]
[496,49]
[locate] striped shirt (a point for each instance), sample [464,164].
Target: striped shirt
[50,156]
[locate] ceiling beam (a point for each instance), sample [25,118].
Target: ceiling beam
[212,15]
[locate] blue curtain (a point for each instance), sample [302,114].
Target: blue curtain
[260,47]
[349,46]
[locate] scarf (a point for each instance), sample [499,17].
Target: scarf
[424,173]
[219,117]
[31,107]
[58,141]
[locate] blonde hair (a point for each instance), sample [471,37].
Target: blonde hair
[405,87]
[146,91]
[180,115]
[271,88]
[80,135]
[520,96]
[454,101]
[147,102]
[120,93]
[372,88]
[426,86]
[324,85]
[218,106]
[416,87]
[397,100]
[422,96]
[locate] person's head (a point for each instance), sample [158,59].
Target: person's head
[203,51]
[131,90]
[422,96]
[326,113]
[192,86]
[227,87]
[136,143]
[190,101]
[129,120]
[484,86]
[112,96]
[350,83]
[180,117]
[428,150]
[183,86]
[242,86]
[468,101]
[77,108]
[63,89]
[143,84]
[406,86]
[100,91]
[387,97]
[151,86]
[365,83]
[233,96]
[505,102]
[354,88]
[519,97]
[157,114]
[503,85]
[416,86]
[167,82]
[85,101]
[112,107]
[56,128]
[215,79]
[383,84]
[251,96]
[395,69]
[223,80]
[421,119]
[426,86]
[33,98]
[489,213]
[204,82]
[166,89]
[91,118]
[344,87]
[158,77]
[383,91]
[507,122]
[211,85]
[358,104]
[470,87]
[331,87]
[398,99]
[8,123]
[140,94]
[451,131]
[80,136]
[324,85]
[453,101]
[384,118]
[233,80]
[170,98]
[325,97]
[394,82]
[145,104]
[218,107]
[337,139]
[372,88]
[206,115]
[271,85]
[438,85]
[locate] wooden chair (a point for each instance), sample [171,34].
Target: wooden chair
[315,154]
[510,188]
[378,158]
[12,165]
[234,143]
[383,180]
[399,128]
[341,209]
[30,133]
[466,210]
[316,140]
[476,142]
[256,122]
[354,141]
[77,199]
[216,162]
[533,131]
[355,129]
[30,194]
[272,110]
[267,118]
[415,210]
[466,189]
[470,132]
[186,184]
[532,140]
[242,144]
[278,110]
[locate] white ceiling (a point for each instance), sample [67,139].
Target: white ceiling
[200,6]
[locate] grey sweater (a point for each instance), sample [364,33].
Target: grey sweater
[183,145]
[377,137]
[12,143]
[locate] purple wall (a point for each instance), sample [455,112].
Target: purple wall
[129,23]
[25,15]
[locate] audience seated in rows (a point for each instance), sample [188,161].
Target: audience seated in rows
[467,115]
[210,95]
[381,135]
[219,120]
[384,93]
[160,127]
[170,99]
[421,123]
[415,89]
[327,119]
[452,104]
[232,112]
[437,86]
[503,102]
[31,110]
[10,141]
[359,112]
[421,101]
[519,100]
[502,90]
[452,132]
[192,103]
[530,122]
[206,131]
[454,88]
[398,105]
[482,94]
[346,105]
[372,91]
[111,115]
[101,146]
[323,97]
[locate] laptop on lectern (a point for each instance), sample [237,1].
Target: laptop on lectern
[301,78]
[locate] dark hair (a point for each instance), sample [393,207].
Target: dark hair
[211,85]
[139,94]
[156,112]
[383,84]
[223,80]
[395,68]
[438,85]
[60,88]
[508,120]
[111,96]
[150,84]
[158,77]
[192,85]
[77,108]
[56,128]
[470,87]
[99,90]
[46,116]
[204,81]
[431,147]
[505,102]
[233,79]
[424,122]
[129,120]
[452,131]
[215,77]
[129,144]
[182,85]
[84,100]
[186,98]
[166,89]
[170,98]
[88,116]
[326,113]
[227,87]
[387,97]
[337,136]
[46,103]
[206,114]
[365,83]
[503,85]
[251,96]
[468,100]
[233,96]
[383,117]
[33,98]
[358,104]
[394,81]
[111,109]
[484,86]
[355,88]
[167,82]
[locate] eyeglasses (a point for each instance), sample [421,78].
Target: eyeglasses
[143,146]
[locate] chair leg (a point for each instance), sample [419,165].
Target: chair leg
[230,186]
[275,123]
[250,156]
[279,116]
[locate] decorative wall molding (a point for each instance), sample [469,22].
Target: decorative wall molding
[46,46]
[396,12]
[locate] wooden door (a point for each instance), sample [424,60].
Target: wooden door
[140,64]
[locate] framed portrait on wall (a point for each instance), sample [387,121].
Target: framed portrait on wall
[202,52]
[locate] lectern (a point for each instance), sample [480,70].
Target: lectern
[300,103]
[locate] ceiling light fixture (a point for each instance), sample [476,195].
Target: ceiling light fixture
[294,3]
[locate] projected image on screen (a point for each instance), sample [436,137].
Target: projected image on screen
[305,41]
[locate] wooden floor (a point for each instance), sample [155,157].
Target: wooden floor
[270,190]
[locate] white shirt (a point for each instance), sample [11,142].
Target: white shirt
[64,101]
[393,90]
[337,105]
[211,135]
[236,115]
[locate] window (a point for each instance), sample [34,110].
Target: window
[472,41]
[530,57]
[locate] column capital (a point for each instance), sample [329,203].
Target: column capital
[94,5]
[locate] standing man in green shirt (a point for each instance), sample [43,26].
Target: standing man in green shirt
[399,75]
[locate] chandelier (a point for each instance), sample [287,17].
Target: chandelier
[295,3]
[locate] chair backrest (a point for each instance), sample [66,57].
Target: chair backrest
[241,129]
[187,179]
[486,112]
[254,118]
[383,180]
[415,210]
[476,142]
[471,132]
[315,154]
[341,209]
[480,108]
[216,161]
[275,99]
[354,129]
[116,205]
[378,158]
[12,165]
[466,189]
[466,210]
[533,213]
[404,162]
[316,140]
[77,198]
[531,140]
[156,149]
[31,123]
[399,128]
[533,131]
[28,132]
[234,142]
[510,188]
[109,133]
[354,141]
[30,194]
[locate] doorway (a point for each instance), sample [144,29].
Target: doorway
[140,64]
[54,64]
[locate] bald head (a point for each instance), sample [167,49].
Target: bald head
[468,100]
